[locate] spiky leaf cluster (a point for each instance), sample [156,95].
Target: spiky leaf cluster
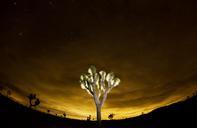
[97,83]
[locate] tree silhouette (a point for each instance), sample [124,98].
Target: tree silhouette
[33,100]
[64,114]
[111,116]
[98,85]
[89,118]
[37,102]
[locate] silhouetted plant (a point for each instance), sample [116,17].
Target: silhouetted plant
[33,100]
[64,114]
[111,116]
[37,102]
[89,118]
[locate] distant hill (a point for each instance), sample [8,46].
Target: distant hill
[181,114]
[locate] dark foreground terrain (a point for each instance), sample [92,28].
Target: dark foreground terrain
[181,114]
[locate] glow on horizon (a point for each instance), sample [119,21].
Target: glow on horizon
[84,111]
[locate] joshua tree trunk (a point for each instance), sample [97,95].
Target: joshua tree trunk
[98,114]
[99,105]
[98,109]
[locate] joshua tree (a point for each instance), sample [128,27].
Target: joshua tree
[33,100]
[98,85]
[111,116]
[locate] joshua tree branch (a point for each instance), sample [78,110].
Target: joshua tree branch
[104,98]
[96,97]
[91,92]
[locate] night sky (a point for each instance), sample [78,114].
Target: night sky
[151,45]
